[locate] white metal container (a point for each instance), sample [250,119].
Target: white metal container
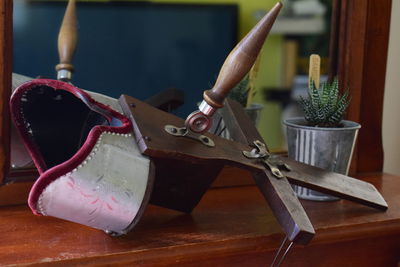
[327,148]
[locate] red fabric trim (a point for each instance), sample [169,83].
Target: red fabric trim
[48,176]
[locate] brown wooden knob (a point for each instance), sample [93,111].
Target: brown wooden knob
[67,38]
[241,59]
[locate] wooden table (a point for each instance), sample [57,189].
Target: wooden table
[230,227]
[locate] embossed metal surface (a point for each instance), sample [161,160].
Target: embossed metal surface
[106,191]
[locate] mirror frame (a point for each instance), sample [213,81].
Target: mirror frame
[363,39]
[358,53]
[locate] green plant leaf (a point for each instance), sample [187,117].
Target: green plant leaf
[325,107]
[240,91]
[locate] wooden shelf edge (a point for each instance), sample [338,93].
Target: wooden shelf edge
[14,193]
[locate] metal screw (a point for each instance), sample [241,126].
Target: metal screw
[132,105]
[205,139]
[174,130]
[147,138]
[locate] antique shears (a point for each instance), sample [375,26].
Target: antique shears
[147,155]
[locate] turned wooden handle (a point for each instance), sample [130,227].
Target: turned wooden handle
[67,38]
[241,59]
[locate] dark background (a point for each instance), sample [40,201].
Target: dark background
[133,48]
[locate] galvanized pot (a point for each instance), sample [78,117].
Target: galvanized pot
[327,148]
[254,112]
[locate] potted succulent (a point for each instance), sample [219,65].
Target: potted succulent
[322,138]
[244,92]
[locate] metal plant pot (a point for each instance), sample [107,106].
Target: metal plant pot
[327,148]
[254,112]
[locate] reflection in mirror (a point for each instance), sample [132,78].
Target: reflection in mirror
[20,159]
[138,36]
[302,29]
[197,38]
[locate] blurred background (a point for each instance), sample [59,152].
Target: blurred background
[141,48]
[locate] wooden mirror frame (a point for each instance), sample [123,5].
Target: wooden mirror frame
[363,39]
[359,44]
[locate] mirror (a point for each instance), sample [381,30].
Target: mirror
[194,56]
[302,29]
[130,39]
[355,24]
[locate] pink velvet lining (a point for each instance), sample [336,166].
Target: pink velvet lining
[48,176]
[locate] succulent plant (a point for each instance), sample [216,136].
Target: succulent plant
[245,90]
[241,91]
[325,107]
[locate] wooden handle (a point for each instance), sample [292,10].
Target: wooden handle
[67,38]
[241,59]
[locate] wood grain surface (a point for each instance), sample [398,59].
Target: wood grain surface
[179,185]
[68,38]
[155,142]
[363,37]
[243,130]
[230,227]
[6,46]
[279,194]
[241,59]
